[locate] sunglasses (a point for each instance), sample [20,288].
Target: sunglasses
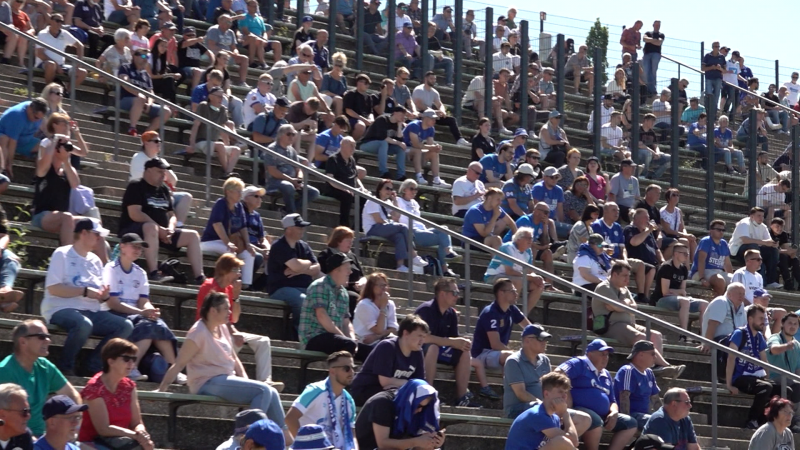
[40,336]
[388,188]
[128,358]
[27,411]
[291,134]
[143,55]
[347,369]
[58,93]
[268,83]
[755,259]
[155,141]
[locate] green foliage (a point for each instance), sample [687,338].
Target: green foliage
[22,92]
[18,244]
[598,38]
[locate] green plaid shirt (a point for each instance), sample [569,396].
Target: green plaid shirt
[322,293]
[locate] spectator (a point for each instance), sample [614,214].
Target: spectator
[114,414]
[285,178]
[334,84]
[470,38]
[673,228]
[435,55]
[541,425]
[444,21]
[425,96]
[599,186]
[327,402]
[407,51]
[653,40]
[748,275]
[493,331]
[18,125]
[655,161]
[136,103]
[640,242]
[302,34]
[570,171]
[259,100]
[28,367]
[502,58]
[579,234]
[670,291]
[251,200]
[373,33]
[378,221]
[662,109]
[342,167]
[752,233]
[716,271]
[222,37]
[621,325]
[401,93]
[648,203]
[547,90]
[88,17]
[497,167]
[14,16]
[788,255]
[167,33]
[401,418]
[393,361]
[635,386]
[444,345]
[375,315]
[140,30]
[730,80]
[468,190]
[53,63]
[518,199]
[772,323]
[784,352]
[553,140]
[328,142]
[615,89]
[14,430]
[131,299]
[382,101]
[549,192]
[357,105]
[771,102]
[624,189]
[672,422]
[220,373]
[743,134]
[611,139]
[205,139]
[148,210]
[242,422]
[598,403]
[533,101]
[532,157]
[764,172]
[62,430]
[218,76]
[305,98]
[533,232]
[118,54]
[724,314]
[692,114]
[772,198]
[578,69]
[606,109]
[723,143]
[419,137]
[256,37]
[630,40]
[777,431]
[591,264]
[482,142]
[713,66]
[190,52]
[486,222]
[384,136]
[265,126]
[784,161]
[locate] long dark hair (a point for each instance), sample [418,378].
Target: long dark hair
[159,59]
[380,186]
[588,211]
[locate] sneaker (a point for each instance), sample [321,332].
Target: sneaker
[243,84]
[751,425]
[438,182]
[418,270]
[403,269]
[420,261]
[466,401]
[686,341]
[489,393]
[659,370]
[452,256]
[278,385]
[505,131]
[132,132]
[180,379]
[774,285]
[421,180]
[158,277]
[135,375]
[678,371]
[450,273]
[463,142]
[199,280]
[532,135]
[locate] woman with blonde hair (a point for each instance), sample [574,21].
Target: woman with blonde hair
[375,317]
[334,83]
[341,241]
[616,86]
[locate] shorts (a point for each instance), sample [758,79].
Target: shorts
[202,147]
[137,228]
[640,418]
[624,421]
[666,241]
[4,179]
[672,303]
[625,333]
[571,75]
[37,219]
[187,73]
[126,103]
[65,67]
[352,121]
[179,197]
[636,263]
[447,355]
[490,358]
[711,272]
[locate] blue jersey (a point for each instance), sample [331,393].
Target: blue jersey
[415,127]
[753,348]
[477,214]
[692,139]
[590,389]
[330,144]
[612,235]
[526,433]
[724,138]
[641,386]
[527,221]
[493,318]
[678,433]
[715,254]
[522,194]
[552,196]
[491,162]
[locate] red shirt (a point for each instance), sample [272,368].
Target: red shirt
[118,405]
[211,285]
[21,21]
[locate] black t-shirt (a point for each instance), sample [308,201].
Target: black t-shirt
[276,265]
[646,251]
[190,56]
[386,359]
[358,102]
[156,202]
[342,170]
[380,129]
[378,410]
[781,239]
[652,212]
[220,11]
[433,43]
[302,36]
[650,48]
[25,442]
[371,20]
[51,192]
[376,101]
[648,138]
[675,275]
[486,144]
[356,272]
[297,113]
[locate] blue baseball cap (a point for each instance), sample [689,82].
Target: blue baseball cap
[599,345]
[520,132]
[61,404]
[761,293]
[308,19]
[311,437]
[266,433]
[536,330]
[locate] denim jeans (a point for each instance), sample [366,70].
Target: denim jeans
[714,87]
[375,43]
[445,63]
[730,93]
[80,325]
[382,149]
[744,137]
[9,267]
[258,394]
[433,238]
[727,156]
[659,166]
[779,117]
[292,198]
[395,232]
[650,65]
[294,297]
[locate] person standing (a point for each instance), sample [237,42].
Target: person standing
[653,40]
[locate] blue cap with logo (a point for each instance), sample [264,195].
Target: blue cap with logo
[599,345]
[311,437]
[266,433]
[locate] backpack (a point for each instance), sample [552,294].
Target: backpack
[154,366]
[169,268]
[433,267]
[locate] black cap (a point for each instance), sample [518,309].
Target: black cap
[246,418]
[87,224]
[399,108]
[334,261]
[641,346]
[608,97]
[189,30]
[626,162]
[61,404]
[133,238]
[651,442]
[501,18]
[282,101]
[156,162]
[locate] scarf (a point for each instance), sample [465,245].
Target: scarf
[406,402]
[603,260]
[749,347]
[335,430]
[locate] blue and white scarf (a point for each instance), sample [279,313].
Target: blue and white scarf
[336,430]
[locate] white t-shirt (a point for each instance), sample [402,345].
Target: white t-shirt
[372,206]
[254,97]
[139,42]
[399,22]
[413,207]
[462,187]
[476,85]
[429,98]
[69,268]
[768,196]
[612,134]
[585,261]
[794,92]
[751,282]
[659,106]
[720,310]
[605,117]
[511,250]
[733,77]
[313,404]
[108,7]
[501,61]
[744,228]
[60,42]
[128,286]
[137,167]
[366,317]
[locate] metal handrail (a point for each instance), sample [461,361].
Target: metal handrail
[527,268]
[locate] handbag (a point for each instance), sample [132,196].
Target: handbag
[118,443]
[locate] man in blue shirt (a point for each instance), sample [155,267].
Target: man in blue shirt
[518,199]
[487,221]
[697,137]
[422,148]
[713,65]
[493,330]
[518,143]
[550,192]
[328,142]
[62,418]
[672,422]
[635,384]
[540,428]
[136,104]
[18,125]
[497,166]
[593,393]
[712,259]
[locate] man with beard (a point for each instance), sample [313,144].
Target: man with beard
[784,352]
[426,96]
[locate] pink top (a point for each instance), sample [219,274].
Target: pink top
[214,358]
[597,187]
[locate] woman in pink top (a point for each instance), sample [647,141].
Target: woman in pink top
[598,183]
[213,367]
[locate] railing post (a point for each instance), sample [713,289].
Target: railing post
[597,119]
[255,154]
[467,286]
[560,74]
[117,93]
[777,82]
[647,328]
[31,60]
[795,176]
[488,70]
[675,135]
[72,99]
[524,97]
[300,12]
[714,386]
[392,31]
[361,12]
[752,149]
[304,209]
[161,125]
[458,59]
[637,120]
[584,319]
[783,386]
[424,44]
[410,259]
[711,109]
[524,288]
[357,220]
[332,9]
[208,165]
[270,5]
[702,76]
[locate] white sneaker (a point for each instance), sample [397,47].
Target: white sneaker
[420,261]
[463,142]
[418,270]
[774,286]
[180,379]
[532,135]
[135,375]
[402,269]
[506,131]
[440,183]
[421,180]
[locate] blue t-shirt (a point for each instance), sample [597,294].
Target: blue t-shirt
[42,444]
[552,196]
[200,93]
[724,138]
[138,78]
[526,431]
[254,24]
[590,390]
[491,162]
[477,214]
[415,127]
[329,143]
[760,344]
[232,221]
[641,386]
[522,194]
[612,235]
[678,433]
[255,227]
[493,318]
[715,254]
[519,151]
[14,122]
[526,221]
[691,139]
[711,60]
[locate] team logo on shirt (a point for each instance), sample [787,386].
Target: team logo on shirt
[502,323]
[404,374]
[597,385]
